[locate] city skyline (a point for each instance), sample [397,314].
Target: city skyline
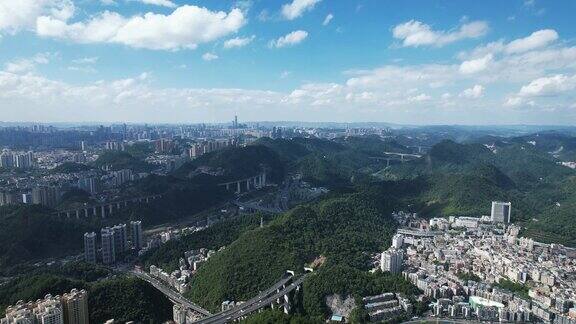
[304,60]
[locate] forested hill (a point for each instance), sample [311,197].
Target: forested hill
[332,163]
[238,163]
[338,233]
[462,179]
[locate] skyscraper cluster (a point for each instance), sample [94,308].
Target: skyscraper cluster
[114,242]
[70,308]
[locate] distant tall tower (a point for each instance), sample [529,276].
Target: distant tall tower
[235,121]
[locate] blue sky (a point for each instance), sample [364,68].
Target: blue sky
[182,61]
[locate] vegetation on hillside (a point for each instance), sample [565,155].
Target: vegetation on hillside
[117,160]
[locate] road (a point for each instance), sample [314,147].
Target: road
[171,294]
[262,300]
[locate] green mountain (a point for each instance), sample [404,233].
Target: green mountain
[237,163]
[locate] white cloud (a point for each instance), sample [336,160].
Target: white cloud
[548,86]
[238,42]
[537,39]
[28,64]
[16,15]
[185,27]
[163,3]
[86,60]
[419,98]
[290,39]
[285,74]
[33,97]
[296,8]
[477,65]
[209,57]
[415,33]
[328,19]
[475,92]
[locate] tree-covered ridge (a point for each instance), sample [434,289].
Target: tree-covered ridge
[121,298]
[30,232]
[332,163]
[237,163]
[339,230]
[117,160]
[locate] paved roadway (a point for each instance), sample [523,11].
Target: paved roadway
[262,300]
[173,295]
[263,303]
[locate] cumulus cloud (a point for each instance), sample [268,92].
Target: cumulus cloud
[477,65]
[163,3]
[296,8]
[290,39]
[33,97]
[415,33]
[537,39]
[548,86]
[86,60]
[185,27]
[238,42]
[28,64]
[475,92]
[16,15]
[209,57]
[328,19]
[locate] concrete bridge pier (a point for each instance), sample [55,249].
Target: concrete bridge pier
[94,212]
[68,215]
[110,209]
[238,188]
[77,213]
[86,212]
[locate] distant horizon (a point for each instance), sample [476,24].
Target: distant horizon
[404,62]
[271,122]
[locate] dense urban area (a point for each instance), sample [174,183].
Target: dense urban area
[281,222]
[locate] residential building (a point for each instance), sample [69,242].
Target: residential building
[90,247]
[391,260]
[75,305]
[136,227]
[108,246]
[501,212]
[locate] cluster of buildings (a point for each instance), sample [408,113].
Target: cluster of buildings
[19,160]
[461,263]
[187,266]
[210,145]
[70,308]
[114,242]
[387,306]
[40,195]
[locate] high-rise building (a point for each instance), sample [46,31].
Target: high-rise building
[71,308]
[120,238]
[75,305]
[391,261]
[90,247]
[45,195]
[397,241]
[49,311]
[136,227]
[6,160]
[179,314]
[501,212]
[7,198]
[90,185]
[108,246]
[122,176]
